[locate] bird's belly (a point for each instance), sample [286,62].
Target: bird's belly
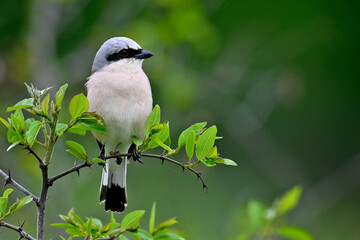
[124,110]
[123,120]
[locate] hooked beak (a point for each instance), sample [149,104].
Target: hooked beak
[144,55]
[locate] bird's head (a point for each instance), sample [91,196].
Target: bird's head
[122,52]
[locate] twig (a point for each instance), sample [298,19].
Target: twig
[19,229]
[162,157]
[9,180]
[41,163]
[73,169]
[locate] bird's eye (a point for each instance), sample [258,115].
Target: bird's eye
[124,52]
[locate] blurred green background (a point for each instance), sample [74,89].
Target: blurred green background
[280,79]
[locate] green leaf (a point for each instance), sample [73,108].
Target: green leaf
[65,218]
[97,222]
[78,219]
[60,127]
[92,126]
[294,233]
[110,226]
[165,224]
[78,105]
[98,160]
[205,142]
[28,123]
[75,232]
[226,161]
[12,145]
[42,92]
[112,218]
[18,121]
[289,200]
[89,226]
[25,103]
[256,211]
[77,150]
[159,133]
[209,162]
[19,204]
[168,236]
[30,89]
[154,118]
[7,192]
[190,144]
[61,225]
[152,218]
[213,154]
[45,104]
[5,123]
[3,204]
[136,140]
[168,140]
[163,145]
[60,95]
[131,219]
[76,154]
[197,127]
[77,130]
[144,235]
[13,136]
[32,132]
[91,122]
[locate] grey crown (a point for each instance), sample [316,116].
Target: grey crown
[111,46]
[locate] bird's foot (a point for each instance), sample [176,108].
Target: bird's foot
[135,154]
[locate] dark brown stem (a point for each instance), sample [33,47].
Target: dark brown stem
[163,158]
[41,204]
[73,169]
[9,180]
[19,229]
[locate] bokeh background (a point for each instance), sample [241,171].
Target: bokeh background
[280,79]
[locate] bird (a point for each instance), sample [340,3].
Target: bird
[119,91]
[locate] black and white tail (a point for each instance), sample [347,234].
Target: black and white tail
[113,185]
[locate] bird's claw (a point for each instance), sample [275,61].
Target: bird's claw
[135,154]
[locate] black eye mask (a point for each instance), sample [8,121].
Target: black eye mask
[125,53]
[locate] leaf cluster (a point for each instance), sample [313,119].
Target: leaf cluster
[4,210]
[266,222]
[198,141]
[93,228]
[24,131]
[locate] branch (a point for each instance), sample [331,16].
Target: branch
[75,168]
[163,158]
[19,229]
[41,163]
[9,180]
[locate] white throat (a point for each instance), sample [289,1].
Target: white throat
[127,65]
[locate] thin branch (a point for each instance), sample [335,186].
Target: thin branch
[73,169]
[163,158]
[41,163]
[19,229]
[9,180]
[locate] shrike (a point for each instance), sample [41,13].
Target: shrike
[120,92]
